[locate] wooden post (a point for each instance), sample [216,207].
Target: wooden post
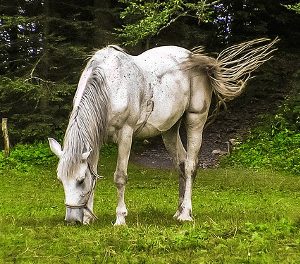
[5,137]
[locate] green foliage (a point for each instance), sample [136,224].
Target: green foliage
[29,120]
[11,21]
[295,7]
[145,19]
[276,144]
[43,47]
[109,150]
[25,157]
[40,31]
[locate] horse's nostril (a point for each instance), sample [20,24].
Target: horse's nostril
[74,215]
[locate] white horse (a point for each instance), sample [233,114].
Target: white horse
[121,97]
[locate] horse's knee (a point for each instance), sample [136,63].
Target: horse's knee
[120,178]
[187,169]
[191,169]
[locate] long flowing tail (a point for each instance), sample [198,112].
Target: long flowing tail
[236,64]
[231,70]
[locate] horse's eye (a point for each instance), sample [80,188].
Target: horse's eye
[80,182]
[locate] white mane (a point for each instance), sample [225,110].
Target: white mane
[88,121]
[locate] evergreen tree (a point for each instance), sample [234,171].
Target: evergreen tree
[44,46]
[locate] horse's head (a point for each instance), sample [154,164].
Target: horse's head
[78,179]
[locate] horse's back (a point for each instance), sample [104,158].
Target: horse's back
[162,59]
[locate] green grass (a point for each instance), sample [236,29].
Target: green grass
[241,216]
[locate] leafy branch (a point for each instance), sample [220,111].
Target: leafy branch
[295,7]
[144,19]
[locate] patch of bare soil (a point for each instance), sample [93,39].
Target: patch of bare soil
[153,154]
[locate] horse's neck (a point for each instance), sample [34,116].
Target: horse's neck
[77,140]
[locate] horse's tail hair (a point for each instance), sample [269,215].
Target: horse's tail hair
[235,65]
[231,70]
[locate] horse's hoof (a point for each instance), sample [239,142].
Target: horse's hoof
[184,218]
[120,222]
[175,216]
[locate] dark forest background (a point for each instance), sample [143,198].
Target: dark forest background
[44,45]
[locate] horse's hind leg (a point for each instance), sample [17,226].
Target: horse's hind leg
[175,148]
[120,175]
[194,124]
[195,119]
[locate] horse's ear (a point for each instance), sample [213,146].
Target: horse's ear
[86,154]
[55,147]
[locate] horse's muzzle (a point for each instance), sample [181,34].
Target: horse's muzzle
[74,215]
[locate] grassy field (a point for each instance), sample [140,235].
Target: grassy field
[241,216]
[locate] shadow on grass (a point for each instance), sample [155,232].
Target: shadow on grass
[152,216]
[145,217]
[40,221]
[156,217]
[149,216]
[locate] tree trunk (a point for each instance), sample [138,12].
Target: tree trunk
[5,137]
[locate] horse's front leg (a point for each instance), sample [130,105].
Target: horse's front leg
[120,175]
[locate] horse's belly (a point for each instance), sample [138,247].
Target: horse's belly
[154,128]
[147,131]
[165,114]
[171,99]
[170,86]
